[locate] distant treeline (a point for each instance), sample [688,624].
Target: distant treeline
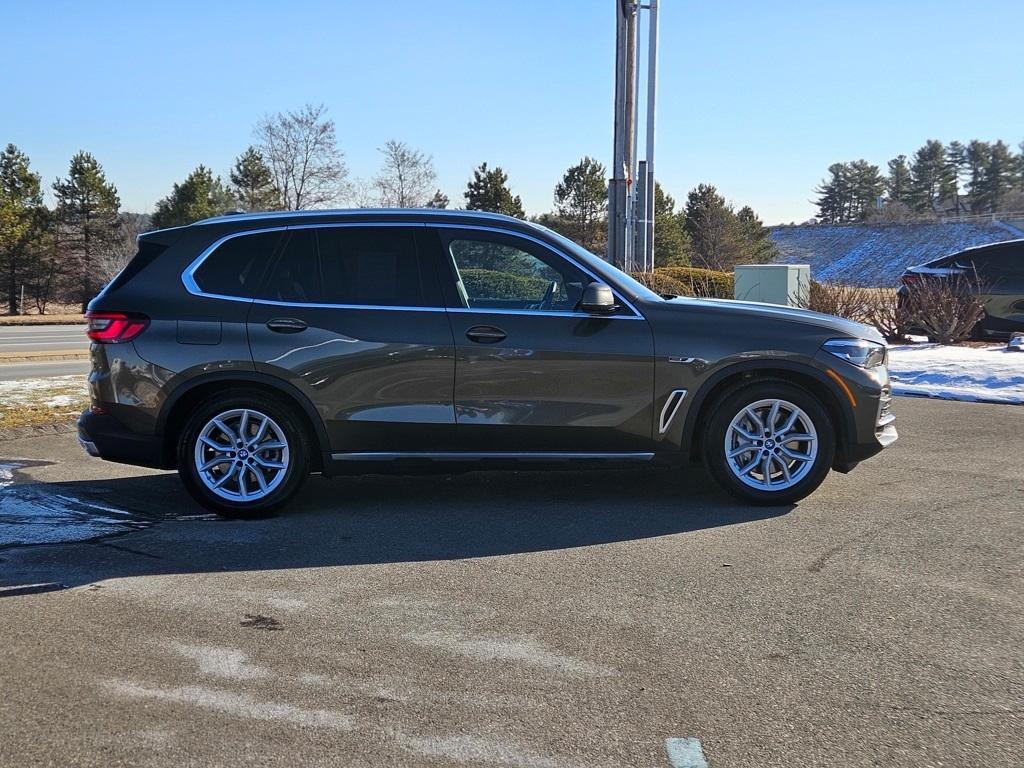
[67,253]
[938,180]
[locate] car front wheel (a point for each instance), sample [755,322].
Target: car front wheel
[769,443]
[243,454]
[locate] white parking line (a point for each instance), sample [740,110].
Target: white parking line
[685,753]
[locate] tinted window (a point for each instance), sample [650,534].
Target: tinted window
[236,266]
[296,275]
[146,255]
[506,273]
[1000,263]
[374,266]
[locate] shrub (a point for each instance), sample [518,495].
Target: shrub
[888,314]
[688,281]
[847,301]
[947,309]
[492,284]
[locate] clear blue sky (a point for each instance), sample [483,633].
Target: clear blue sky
[757,98]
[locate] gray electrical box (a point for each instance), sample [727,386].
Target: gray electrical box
[787,284]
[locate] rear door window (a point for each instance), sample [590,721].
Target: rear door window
[375,266]
[236,266]
[296,277]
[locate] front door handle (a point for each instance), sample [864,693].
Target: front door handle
[286,325]
[485,334]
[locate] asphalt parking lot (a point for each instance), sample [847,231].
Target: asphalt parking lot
[526,619]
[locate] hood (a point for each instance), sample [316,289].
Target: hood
[755,310]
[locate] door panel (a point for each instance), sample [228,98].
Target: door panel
[553,383]
[532,373]
[380,377]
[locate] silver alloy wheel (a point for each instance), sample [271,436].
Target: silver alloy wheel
[241,455]
[771,445]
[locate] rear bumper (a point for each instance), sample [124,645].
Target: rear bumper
[103,436]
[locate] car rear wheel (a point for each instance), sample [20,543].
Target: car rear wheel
[243,454]
[769,443]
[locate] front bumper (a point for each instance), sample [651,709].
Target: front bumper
[103,436]
[870,437]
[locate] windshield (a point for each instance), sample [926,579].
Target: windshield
[602,267]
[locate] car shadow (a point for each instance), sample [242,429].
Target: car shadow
[148,525]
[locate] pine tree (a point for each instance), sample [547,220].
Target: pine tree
[834,195]
[488,191]
[581,198]
[22,219]
[758,245]
[200,196]
[671,241]
[439,200]
[866,187]
[897,184]
[956,158]
[999,178]
[978,155]
[252,183]
[87,217]
[931,181]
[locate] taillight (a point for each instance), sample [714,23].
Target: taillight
[909,278]
[114,327]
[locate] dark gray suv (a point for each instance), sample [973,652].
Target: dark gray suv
[250,350]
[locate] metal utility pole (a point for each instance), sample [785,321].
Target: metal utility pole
[652,89]
[631,188]
[620,214]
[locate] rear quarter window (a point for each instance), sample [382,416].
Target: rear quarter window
[146,255]
[236,266]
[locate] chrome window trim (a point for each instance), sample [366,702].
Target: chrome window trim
[478,455]
[188,277]
[538,313]
[189,281]
[400,308]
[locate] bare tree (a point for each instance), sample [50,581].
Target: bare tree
[363,193]
[302,152]
[407,178]
[123,248]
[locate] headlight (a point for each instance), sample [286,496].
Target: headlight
[866,354]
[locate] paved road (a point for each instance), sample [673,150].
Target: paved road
[559,620]
[19,339]
[42,369]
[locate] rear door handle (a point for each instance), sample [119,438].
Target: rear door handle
[286,325]
[485,334]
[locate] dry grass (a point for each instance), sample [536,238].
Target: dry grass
[30,402]
[61,319]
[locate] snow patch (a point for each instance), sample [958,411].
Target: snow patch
[235,704]
[523,650]
[34,514]
[990,374]
[220,662]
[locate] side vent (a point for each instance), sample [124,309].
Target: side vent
[668,412]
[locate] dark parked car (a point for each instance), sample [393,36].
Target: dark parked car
[995,272]
[249,350]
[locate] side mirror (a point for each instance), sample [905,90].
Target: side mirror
[598,299]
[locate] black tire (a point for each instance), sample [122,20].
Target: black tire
[730,404]
[295,435]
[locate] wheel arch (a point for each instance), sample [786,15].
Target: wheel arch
[194,391]
[811,379]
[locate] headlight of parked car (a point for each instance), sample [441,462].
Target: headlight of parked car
[866,354]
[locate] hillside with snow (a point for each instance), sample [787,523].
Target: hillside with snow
[876,255]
